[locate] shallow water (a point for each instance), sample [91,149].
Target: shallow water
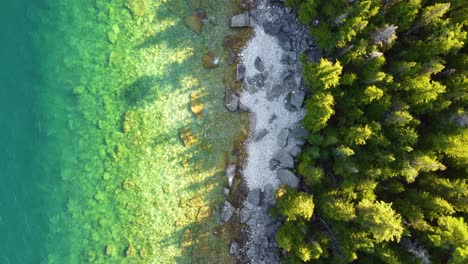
[93,98]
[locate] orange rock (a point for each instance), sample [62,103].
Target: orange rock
[187,137]
[194,22]
[196,105]
[210,60]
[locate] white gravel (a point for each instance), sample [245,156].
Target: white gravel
[265,114]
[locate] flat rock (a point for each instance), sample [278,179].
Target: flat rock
[285,159]
[240,73]
[288,178]
[258,64]
[283,137]
[254,197]
[241,20]
[227,211]
[231,100]
[230,173]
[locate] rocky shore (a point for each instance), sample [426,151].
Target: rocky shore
[273,94]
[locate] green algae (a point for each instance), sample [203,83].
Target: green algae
[131,78]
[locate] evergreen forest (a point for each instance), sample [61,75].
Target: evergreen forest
[384,171]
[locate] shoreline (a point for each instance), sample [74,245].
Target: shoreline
[273,94]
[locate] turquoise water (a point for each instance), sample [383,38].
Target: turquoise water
[94,96]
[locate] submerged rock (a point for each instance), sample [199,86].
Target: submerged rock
[241,20]
[187,137]
[231,100]
[138,8]
[230,174]
[288,178]
[195,22]
[210,60]
[240,74]
[227,211]
[195,104]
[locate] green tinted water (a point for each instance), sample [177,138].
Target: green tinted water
[94,94]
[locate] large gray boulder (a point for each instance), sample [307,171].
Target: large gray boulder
[232,100]
[288,178]
[254,197]
[285,159]
[241,20]
[227,212]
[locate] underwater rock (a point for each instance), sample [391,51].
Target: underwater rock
[110,250]
[227,212]
[195,22]
[129,115]
[232,100]
[210,60]
[187,137]
[195,104]
[240,73]
[78,90]
[113,34]
[230,174]
[137,8]
[129,251]
[241,20]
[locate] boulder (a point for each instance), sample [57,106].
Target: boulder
[272,28]
[232,100]
[273,164]
[284,41]
[240,74]
[138,8]
[288,178]
[258,64]
[254,197]
[244,215]
[241,20]
[285,159]
[194,22]
[283,138]
[258,79]
[230,173]
[296,99]
[187,137]
[227,212]
[210,60]
[226,192]
[196,105]
[234,249]
[268,194]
